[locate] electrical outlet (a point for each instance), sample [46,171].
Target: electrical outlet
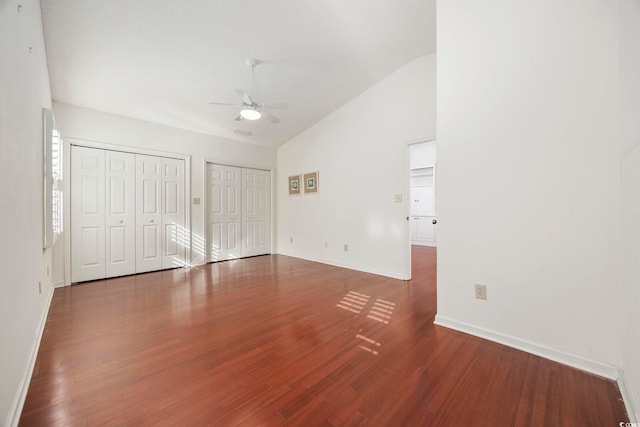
[346,247]
[39,287]
[481,291]
[290,239]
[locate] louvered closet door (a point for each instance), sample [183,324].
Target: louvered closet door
[148,213]
[87,214]
[174,235]
[120,213]
[256,212]
[223,212]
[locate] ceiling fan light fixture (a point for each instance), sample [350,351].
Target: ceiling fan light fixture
[250,114]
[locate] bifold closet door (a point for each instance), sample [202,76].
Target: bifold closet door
[127,213]
[224,184]
[148,213]
[161,238]
[174,235]
[120,217]
[87,214]
[256,212]
[102,214]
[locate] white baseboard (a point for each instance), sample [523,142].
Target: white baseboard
[21,394]
[392,275]
[59,284]
[422,243]
[629,399]
[578,362]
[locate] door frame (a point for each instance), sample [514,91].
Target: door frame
[68,142]
[407,174]
[205,197]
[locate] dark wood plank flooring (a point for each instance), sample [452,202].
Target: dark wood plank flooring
[275,340]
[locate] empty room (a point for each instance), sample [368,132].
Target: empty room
[409,213]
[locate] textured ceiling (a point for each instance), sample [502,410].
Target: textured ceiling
[163,61]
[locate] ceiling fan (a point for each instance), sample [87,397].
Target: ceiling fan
[250,109]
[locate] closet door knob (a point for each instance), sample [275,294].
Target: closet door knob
[121,221]
[434,221]
[150,220]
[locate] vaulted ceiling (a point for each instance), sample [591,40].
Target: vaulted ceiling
[163,61]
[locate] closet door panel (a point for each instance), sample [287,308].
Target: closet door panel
[148,213]
[91,255]
[87,214]
[232,239]
[120,213]
[174,236]
[224,184]
[256,212]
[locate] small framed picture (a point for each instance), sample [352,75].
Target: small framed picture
[311,182]
[294,184]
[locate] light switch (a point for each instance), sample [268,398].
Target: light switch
[196,200]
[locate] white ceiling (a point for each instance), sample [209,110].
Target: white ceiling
[163,60]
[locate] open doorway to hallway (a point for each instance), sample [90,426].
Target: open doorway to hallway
[422,195]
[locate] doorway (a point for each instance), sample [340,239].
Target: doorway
[422,195]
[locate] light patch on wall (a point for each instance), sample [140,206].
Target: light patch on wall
[379,228]
[375,227]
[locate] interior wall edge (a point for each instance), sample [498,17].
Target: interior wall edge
[588,365]
[13,417]
[628,398]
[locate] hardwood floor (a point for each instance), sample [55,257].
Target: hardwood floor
[275,340]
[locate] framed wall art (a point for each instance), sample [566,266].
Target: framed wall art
[294,184]
[311,182]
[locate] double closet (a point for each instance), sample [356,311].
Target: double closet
[238,212]
[127,213]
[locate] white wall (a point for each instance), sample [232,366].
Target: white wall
[83,124]
[630,151]
[528,186]
[422,155]
[361,152]
[24,91]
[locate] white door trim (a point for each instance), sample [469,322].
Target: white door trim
[68,142]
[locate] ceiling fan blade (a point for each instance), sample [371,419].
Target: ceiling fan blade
[270,117]
[226,104]
[245,98]
[239,118]
[274,105]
